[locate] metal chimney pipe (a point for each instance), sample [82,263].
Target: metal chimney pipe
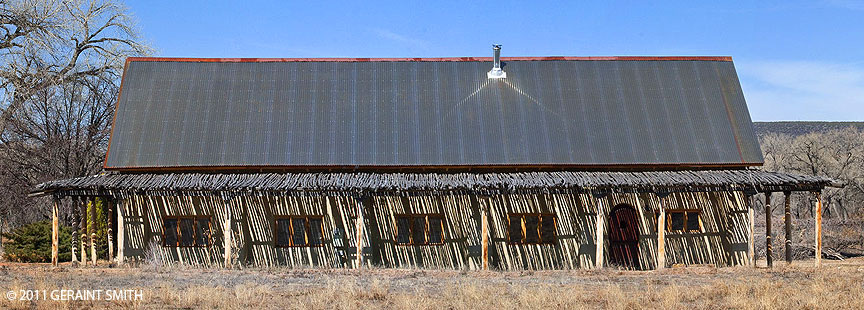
[496,72]
[496,52]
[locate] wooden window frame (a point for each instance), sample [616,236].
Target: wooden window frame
[411,218]
[539,228]
[686,213]
[306,235]
[194,219]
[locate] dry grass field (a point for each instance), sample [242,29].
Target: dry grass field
[837,285]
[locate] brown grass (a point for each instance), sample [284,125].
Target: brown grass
[838,285]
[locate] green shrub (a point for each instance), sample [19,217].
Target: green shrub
[31,243]
[101,227]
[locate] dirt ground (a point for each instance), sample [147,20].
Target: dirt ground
[836,285]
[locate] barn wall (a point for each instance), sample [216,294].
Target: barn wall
[134,224]
[574,229]
[260,226]
[461,232]
[723,242]
[143,228]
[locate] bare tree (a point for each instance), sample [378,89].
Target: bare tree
[52,42]
[60,64]
[838,154]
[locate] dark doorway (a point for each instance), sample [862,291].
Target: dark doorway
[624,236]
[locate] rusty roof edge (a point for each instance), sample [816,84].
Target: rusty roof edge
[437,59]
[443,168]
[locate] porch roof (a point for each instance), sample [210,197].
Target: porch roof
[370,183]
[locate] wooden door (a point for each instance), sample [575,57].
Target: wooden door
[624,236]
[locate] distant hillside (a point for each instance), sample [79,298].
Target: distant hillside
[800,128]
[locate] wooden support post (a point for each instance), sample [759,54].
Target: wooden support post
[787,219]
[2,251]
[226,234]
[769,250]
[110,205]
[661,236]
[75,224]
[599,235]
[359,229]
[121,232]
[484,211]
[82,205]
[92,229]
[751,231]
[818,233]
[55,232]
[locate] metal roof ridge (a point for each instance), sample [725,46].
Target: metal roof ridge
[434,59]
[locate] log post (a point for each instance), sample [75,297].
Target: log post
[359,229]
[55,232]
[484,211]
[661,235]
[769,251]
[751,230]
[93,227]
[226,234]
[75,224]
[2,251]
[818,227]
[82,205]
[787,219]
[110,230]
[121,232]
[599,235]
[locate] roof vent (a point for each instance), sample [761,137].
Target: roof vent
[496,72]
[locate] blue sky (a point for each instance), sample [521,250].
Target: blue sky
[796,60]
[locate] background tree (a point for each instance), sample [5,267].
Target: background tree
[838,154]
[60,65]
[31,243]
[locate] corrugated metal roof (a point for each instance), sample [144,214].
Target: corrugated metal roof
[174,113]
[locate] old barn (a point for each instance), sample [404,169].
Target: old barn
[463,163]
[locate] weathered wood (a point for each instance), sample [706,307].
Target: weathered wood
[92,229]
[340,236]
[82,205]
[121,232]
[226,235]
[110,205]
[751,230]
[373,231]
[575,216]
[55,233]
[661,236]
[769,251]
[831,254]
[2,251]
[485,234]
[600,234]
[75,225]
[818,233]
[827,253]
[787,219]
[647,181]
[359,229]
